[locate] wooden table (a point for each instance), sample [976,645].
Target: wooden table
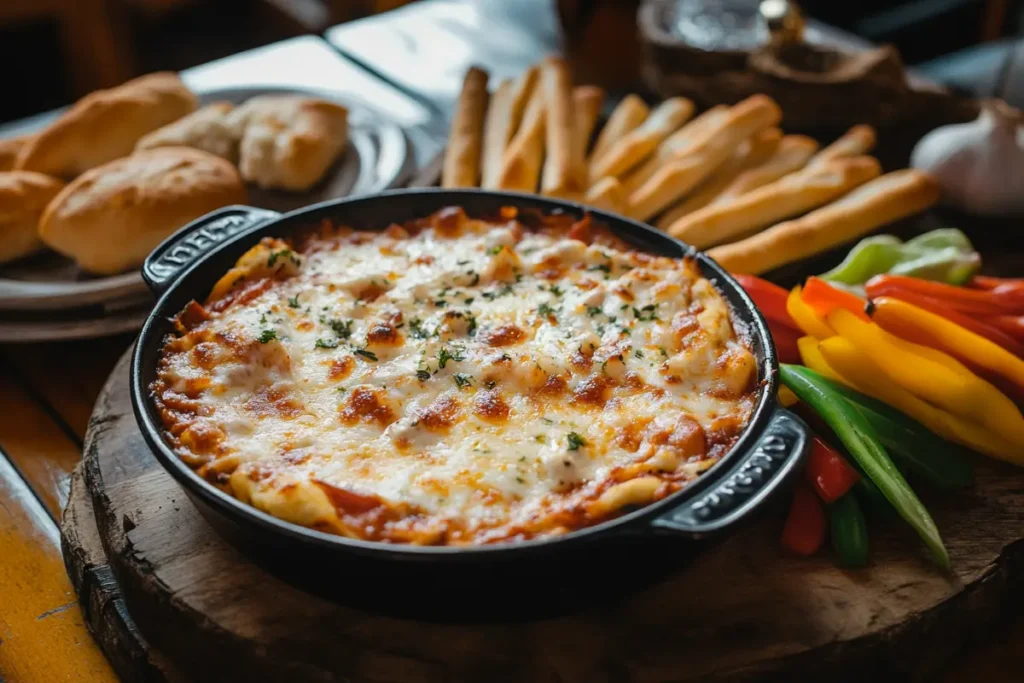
[47,393]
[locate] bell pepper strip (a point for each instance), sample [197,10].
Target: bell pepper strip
[945,255]
[970,301]
[787,397]
[1013,325]
[785,339]
[913,446]
[861,442]
[990,283]
[823,298]
[849,532]
[947,384]
[828,472]
[979,326]
[918,325]
[769,298]
[805,317]
[847,360]
[804,530]
[812,358]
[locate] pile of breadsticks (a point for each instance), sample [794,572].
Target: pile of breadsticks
[728,180]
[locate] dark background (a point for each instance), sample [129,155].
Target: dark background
[176,34]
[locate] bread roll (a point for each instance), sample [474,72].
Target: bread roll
[206,129]
[9,148]
[111,217]
[288,142]
[23,197]
[563,172]
[521,166]
[106,125]
[625,118]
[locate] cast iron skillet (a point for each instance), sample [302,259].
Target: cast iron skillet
[188,263]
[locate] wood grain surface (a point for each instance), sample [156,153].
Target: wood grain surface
[740,612]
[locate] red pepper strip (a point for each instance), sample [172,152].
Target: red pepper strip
[979,326]
[770,299]
[804,531]
[828,472]
[990,283]
[824,298]
[1012,325]
[971,301]
[785,342]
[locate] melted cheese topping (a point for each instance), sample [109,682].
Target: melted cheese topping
[455,381]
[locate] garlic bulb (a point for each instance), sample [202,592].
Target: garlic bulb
[979,165]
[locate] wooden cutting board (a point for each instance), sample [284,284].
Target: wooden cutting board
[167,598]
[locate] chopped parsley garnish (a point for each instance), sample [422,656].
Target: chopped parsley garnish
[504,291]
[468,301]
[638,353]
[594,310]
[664,353]
[294,301]
[545,310]
[462,380]
[444,355]
[342,328]
[603,267]
[646,313]
[556,290]
[263,319]
[476,278]
[268,336]
[575,441]
[423,375]
[326,343]
[283,253]
[417,329]
[440,303]
[365,354]
[470,324]
[495,250]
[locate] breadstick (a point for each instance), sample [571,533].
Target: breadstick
[522,91]
[496,134]
[676,144]
[462,159]
[791,155]
[882,201]
[854,142]
[626,117]
[520,169]
[750,153]
[607,194]
[637,145]
[790,196]
[674,180]
[563,165]
[586,105]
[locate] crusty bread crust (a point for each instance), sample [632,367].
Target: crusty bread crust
[23,198]
[111,217]
[206,129]
[106,124]
[9,149]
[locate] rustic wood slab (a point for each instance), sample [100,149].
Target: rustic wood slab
[740,611]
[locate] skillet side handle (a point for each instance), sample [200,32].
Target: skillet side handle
[179,251]
[751,480]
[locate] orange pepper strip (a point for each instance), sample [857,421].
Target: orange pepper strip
[806,319]
[823,298]
[910,322]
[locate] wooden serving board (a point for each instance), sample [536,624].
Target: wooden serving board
[159,585]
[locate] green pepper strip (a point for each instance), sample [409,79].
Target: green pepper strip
[941,463]
[849,532]
[860,440]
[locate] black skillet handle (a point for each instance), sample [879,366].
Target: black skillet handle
[179,251]
[781,448]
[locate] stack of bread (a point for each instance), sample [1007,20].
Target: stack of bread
[124,168]
[728,180]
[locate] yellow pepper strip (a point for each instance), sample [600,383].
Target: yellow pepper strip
[805,317]
[893,314]
[846,359]
[911,366]
[813,359]
[787,397]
